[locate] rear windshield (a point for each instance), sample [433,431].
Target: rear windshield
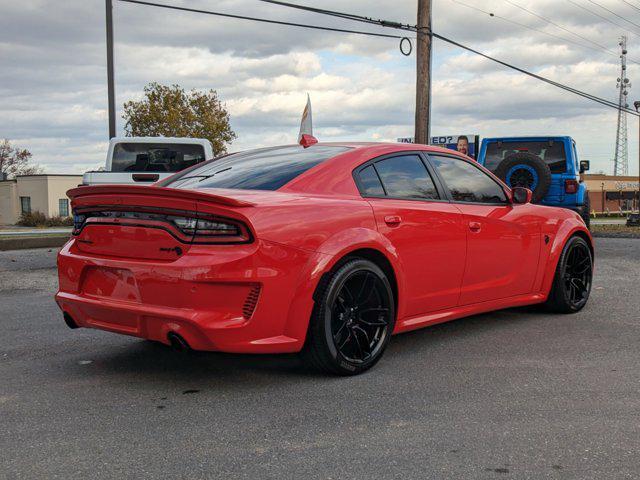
[552,153]
[264,169]
[155,157]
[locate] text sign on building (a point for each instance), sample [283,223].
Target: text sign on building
[627,185]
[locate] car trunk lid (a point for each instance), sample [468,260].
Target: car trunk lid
[147,223]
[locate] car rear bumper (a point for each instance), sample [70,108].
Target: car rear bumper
[218,298]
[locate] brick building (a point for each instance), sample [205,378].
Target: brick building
[609,193]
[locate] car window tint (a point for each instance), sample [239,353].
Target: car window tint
[551,153]
[406,177]
[369,182]
[466,182]
[155,157]
[263,169]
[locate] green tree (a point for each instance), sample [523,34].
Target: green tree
[172,112]
[15,161]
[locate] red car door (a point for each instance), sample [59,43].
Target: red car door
[426,230]
[503,244]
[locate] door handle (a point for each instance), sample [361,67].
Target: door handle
[475,226]
[392,220]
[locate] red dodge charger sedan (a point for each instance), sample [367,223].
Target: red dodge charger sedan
[326,250]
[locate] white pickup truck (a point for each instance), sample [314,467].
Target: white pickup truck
[140,160]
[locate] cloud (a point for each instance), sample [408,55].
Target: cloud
[53,76]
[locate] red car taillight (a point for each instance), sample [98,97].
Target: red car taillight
[213,230]
[188,227]
[570,186]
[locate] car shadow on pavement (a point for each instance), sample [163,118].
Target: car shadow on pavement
[154,360]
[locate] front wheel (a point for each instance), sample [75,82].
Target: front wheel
[352,320]
[572,282]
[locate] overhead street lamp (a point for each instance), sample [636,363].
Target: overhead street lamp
[636,104]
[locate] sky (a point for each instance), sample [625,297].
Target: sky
[53,94]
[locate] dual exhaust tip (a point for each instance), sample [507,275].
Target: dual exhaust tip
[178,343]
[68,319]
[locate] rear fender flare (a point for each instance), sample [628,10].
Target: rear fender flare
[330,253]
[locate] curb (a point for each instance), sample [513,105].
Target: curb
[23,243]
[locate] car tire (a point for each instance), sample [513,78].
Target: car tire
[352,320]
[527,170]
[586,211]
[573,278]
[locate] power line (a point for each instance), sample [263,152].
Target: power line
[575,91]
[386,23]
[528,27]
[262,20]
[397,25]
[394,25]
[613,13]
[347,16]
[631,5]
[333,13]
[493,15]
[626,29]
[551,22]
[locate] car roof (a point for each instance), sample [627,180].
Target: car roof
[334,175]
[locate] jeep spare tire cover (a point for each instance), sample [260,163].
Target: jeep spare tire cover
[527,170]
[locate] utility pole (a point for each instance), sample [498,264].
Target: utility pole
[423,70]
[636,104]
[110,84]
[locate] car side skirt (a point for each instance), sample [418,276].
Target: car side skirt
[441,316]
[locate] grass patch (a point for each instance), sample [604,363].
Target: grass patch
[615,231]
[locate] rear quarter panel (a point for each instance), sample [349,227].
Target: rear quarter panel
[317,224]
[328,229]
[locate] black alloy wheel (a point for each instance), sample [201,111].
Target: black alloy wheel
[353,319]
[360,316]
[573,279]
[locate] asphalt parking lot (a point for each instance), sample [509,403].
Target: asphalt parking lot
[512,394]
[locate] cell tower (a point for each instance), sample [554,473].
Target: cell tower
[621,159]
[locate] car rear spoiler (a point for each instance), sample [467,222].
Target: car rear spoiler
[224,197]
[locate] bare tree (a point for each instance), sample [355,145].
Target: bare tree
[15,161]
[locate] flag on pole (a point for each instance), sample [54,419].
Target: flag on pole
[306,125]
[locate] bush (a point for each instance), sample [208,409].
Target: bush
[38,219]
[59,222]
[32,219]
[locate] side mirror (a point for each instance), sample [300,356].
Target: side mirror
[584,166]
[521,195]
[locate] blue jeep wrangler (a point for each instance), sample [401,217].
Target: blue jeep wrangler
[548,166]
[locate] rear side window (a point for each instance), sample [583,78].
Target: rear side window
[466,182]
[264,169]
[369,182]
[551,153]
[155,157]
[406,177]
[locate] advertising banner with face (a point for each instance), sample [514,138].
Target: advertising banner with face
[465,144]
